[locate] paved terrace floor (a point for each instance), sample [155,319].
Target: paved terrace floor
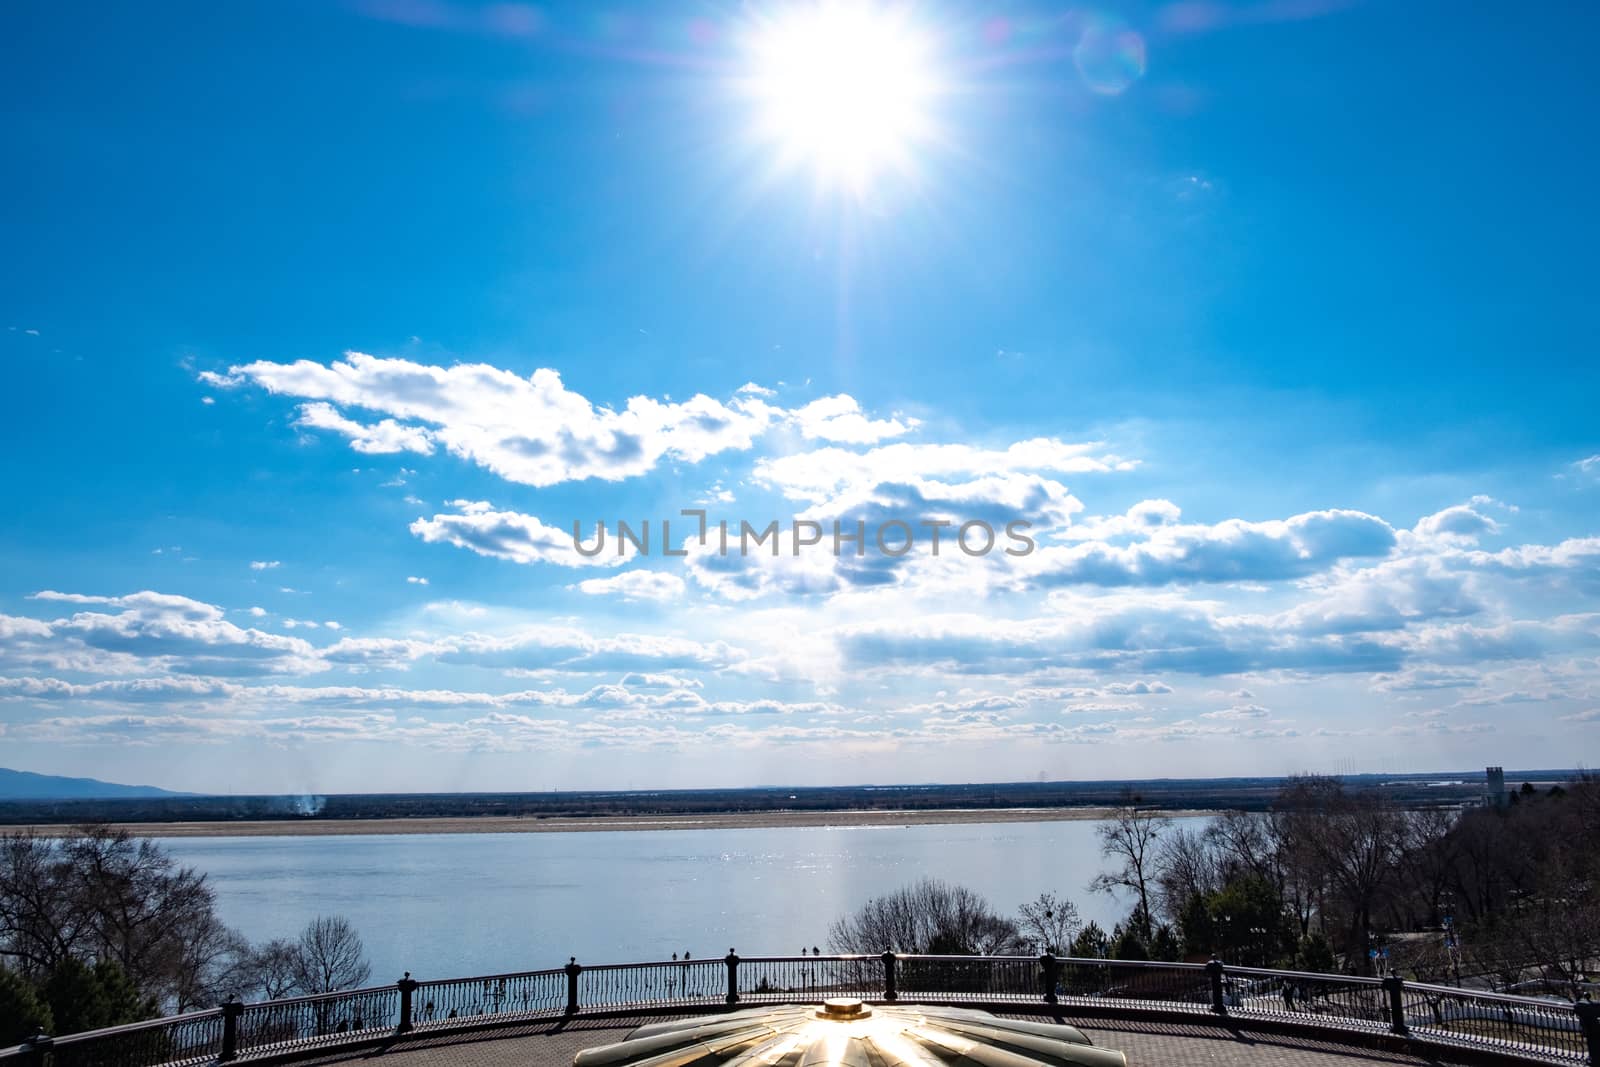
[1148,1044]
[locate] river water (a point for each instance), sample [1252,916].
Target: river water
[452,905]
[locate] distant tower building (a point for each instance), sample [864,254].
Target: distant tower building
[1494,794]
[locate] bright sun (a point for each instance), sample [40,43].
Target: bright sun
[843,87]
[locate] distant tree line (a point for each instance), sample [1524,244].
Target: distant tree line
[1328,879]
[1252,794]
[99,929]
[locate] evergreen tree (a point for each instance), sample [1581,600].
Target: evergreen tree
[1166,945]
[1091,942]
[1126,944]
[82,997]
[1315,954]
[22,1013]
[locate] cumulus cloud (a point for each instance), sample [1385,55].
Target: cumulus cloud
[1140,688]
[1243,711]
[513,536]
[531,430]
[886,513]
[1575,560]
[264,564]
[1231,551]
[1387,596]
[376,438]
[181,634]
[561,649]
[1461,524]
[839,418]
[119,690]
[636,585]
[823,474]
[648,680]
[1105,634]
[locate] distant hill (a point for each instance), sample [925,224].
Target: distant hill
[26,785]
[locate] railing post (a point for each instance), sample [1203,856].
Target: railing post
[1394,986]
[573,970]
[1214,972]
[407,986]
[36,1050]
[732,960]
[231,1010]
[1589,1022]
[888,976]
[1050,971]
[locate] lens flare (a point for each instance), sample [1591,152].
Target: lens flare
[844,88]
[1109,56]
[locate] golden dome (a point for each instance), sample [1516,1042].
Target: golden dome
[848,1033]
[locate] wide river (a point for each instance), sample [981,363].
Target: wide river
[453,905]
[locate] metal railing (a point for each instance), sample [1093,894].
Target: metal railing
[1548,1031]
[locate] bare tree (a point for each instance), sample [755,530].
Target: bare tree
[39,925]
[1128,838]
[928,917]
[1430,850]
[1187,869]
[1353,842]
[272,969]
[1050,922]
[213,964]
[330,956]
[96,895]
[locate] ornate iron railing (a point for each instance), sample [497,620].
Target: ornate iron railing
[1546,1031]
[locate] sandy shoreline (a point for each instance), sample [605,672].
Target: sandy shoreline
[496,824]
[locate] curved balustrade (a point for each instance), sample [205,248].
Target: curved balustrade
[1539,1030]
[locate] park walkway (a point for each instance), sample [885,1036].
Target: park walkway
[1146,1043]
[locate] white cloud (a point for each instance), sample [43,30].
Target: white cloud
[1461,524]
[1137,688]
[563,649]
[120,690]
[646,680]
[415,580]
[533,430]
[516,537]
[1231,551]
[176,633]
[1387,596]
[839,418]
[636,585]
[381,437]
[1241,712]
[264,564]
[825,473]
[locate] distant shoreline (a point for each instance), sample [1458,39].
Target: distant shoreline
[518,824]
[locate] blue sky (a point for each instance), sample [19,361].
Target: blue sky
[1276,320]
